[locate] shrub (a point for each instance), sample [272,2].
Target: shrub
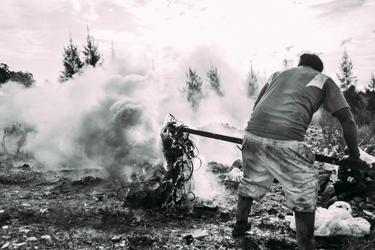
[332,132]
[365,134]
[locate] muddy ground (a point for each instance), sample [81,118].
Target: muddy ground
[80,209]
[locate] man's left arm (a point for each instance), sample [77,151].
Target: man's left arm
[349,128]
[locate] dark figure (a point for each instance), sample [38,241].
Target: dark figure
[273,145]
[351,182]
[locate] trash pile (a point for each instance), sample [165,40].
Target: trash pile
[169,188]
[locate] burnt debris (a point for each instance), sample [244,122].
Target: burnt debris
[170,188]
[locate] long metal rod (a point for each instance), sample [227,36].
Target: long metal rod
[212,135]
[318,157]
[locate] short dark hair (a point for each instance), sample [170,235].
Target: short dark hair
[311,60]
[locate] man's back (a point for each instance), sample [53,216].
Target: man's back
[291,98]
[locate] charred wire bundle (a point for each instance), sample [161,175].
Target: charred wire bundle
[167,189]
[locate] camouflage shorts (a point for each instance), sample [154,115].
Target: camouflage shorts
[289,162]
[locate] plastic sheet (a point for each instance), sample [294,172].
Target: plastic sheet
[337,220]
[366,157]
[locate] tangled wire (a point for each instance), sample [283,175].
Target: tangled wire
[166,189]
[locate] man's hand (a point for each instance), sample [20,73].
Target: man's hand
[353,163]
[349,128]
[352,181]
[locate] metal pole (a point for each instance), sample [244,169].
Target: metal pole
[318,157]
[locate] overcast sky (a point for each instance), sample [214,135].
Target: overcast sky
[167,33]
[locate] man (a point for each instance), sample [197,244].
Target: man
[273,144]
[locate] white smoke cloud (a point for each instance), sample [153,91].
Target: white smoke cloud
[110,117]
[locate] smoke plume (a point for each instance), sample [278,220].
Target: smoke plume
[110,117]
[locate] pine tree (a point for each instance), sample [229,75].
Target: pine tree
[252,80]
[5,73]
[193,90]
[91,52]
[346,75]
[371,88]
[214,80]
[72,62]
[371,84]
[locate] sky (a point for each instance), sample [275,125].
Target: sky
[171,35]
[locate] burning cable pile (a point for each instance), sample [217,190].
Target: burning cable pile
[167,189]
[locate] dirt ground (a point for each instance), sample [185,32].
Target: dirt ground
[80,209]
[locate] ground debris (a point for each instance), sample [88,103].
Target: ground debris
[88,180]
[63,215]
[5,245]
[47,238]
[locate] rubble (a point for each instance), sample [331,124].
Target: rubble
[199,234]
[81,214]
[189,239]
[116,239]
[5,245]
[87,180]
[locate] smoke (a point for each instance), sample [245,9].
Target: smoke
[233,108]
[110,117]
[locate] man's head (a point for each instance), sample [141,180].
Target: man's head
[311,60]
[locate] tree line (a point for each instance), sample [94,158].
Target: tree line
[26,78]
[194,90]
[72,61]
[361,103]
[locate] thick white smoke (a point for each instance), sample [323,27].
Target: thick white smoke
[110,117]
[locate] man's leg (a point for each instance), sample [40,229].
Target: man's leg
[305,230]
[256,179]
[242,215]
[299,178]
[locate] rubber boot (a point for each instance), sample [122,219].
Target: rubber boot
[242,215]
[305,230]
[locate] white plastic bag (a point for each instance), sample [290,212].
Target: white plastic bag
[366,157]
[354,227]
[343,208]
[358,226]
[337,220]
[332,227]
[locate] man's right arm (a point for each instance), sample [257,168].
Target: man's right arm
[349,128]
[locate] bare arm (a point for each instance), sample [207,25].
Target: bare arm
[349,128]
